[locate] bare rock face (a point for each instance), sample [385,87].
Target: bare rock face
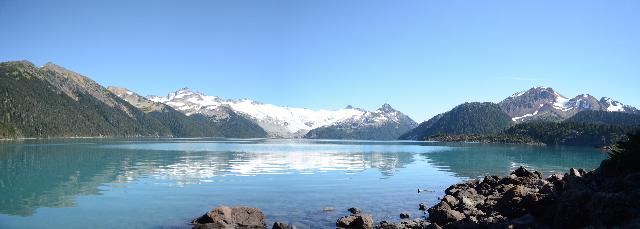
[226,217]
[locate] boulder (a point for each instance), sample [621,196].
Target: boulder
[442,214]
[355,221]
[422,207]
[452,201]
[236,217]
[281,225]
[355,211]
[405,215]
[522,172]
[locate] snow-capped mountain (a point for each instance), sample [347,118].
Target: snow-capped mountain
[278,121]
[218,122]
[543,103]
[385,123]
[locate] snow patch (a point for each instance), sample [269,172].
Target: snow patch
[524,116]
[518,94]
[561,102]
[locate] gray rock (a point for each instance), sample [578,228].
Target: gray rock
[422,207]
[522,172]
[452,201]
[354,211]
[442,214]
[355,221]
[226,217]
[281,225]
[405,215]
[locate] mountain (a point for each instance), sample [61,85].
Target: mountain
[467,118]
[51,101]
[284,122]
[229,125]
[179,124]
[543,103]
[384,123]
[605,117]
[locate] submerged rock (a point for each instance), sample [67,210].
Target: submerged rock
[328,209]
[226,217]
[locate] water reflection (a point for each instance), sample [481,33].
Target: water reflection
[52,175]
[479,160]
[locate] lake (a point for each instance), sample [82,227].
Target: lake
[165,183]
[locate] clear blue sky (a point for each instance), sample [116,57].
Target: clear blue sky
[422,57]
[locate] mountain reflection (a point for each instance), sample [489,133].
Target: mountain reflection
[52,175]
[44,174]
[479,160]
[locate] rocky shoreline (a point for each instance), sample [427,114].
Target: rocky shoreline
[607,197]
[602,198]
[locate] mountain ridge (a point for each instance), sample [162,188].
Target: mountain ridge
[385,123]
[278,121]
[546,103]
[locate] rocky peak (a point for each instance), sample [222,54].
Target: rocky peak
[136,100]
[584,102]
[49,66]
[545,103]
[73,83]
[386,108]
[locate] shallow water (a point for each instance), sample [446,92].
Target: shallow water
[164,183]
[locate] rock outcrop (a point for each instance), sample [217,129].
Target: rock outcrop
[527,200]
[356,220]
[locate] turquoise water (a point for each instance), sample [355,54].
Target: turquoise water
[164,183]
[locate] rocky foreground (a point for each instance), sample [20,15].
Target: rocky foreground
[608,197]
[603,198]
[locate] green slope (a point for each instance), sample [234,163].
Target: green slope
[467,118]
[36,108]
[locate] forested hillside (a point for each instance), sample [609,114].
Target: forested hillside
[606,117]
[573,133]
[37,108]
[467,118]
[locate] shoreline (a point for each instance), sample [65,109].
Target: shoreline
[486,139]
[601,198]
